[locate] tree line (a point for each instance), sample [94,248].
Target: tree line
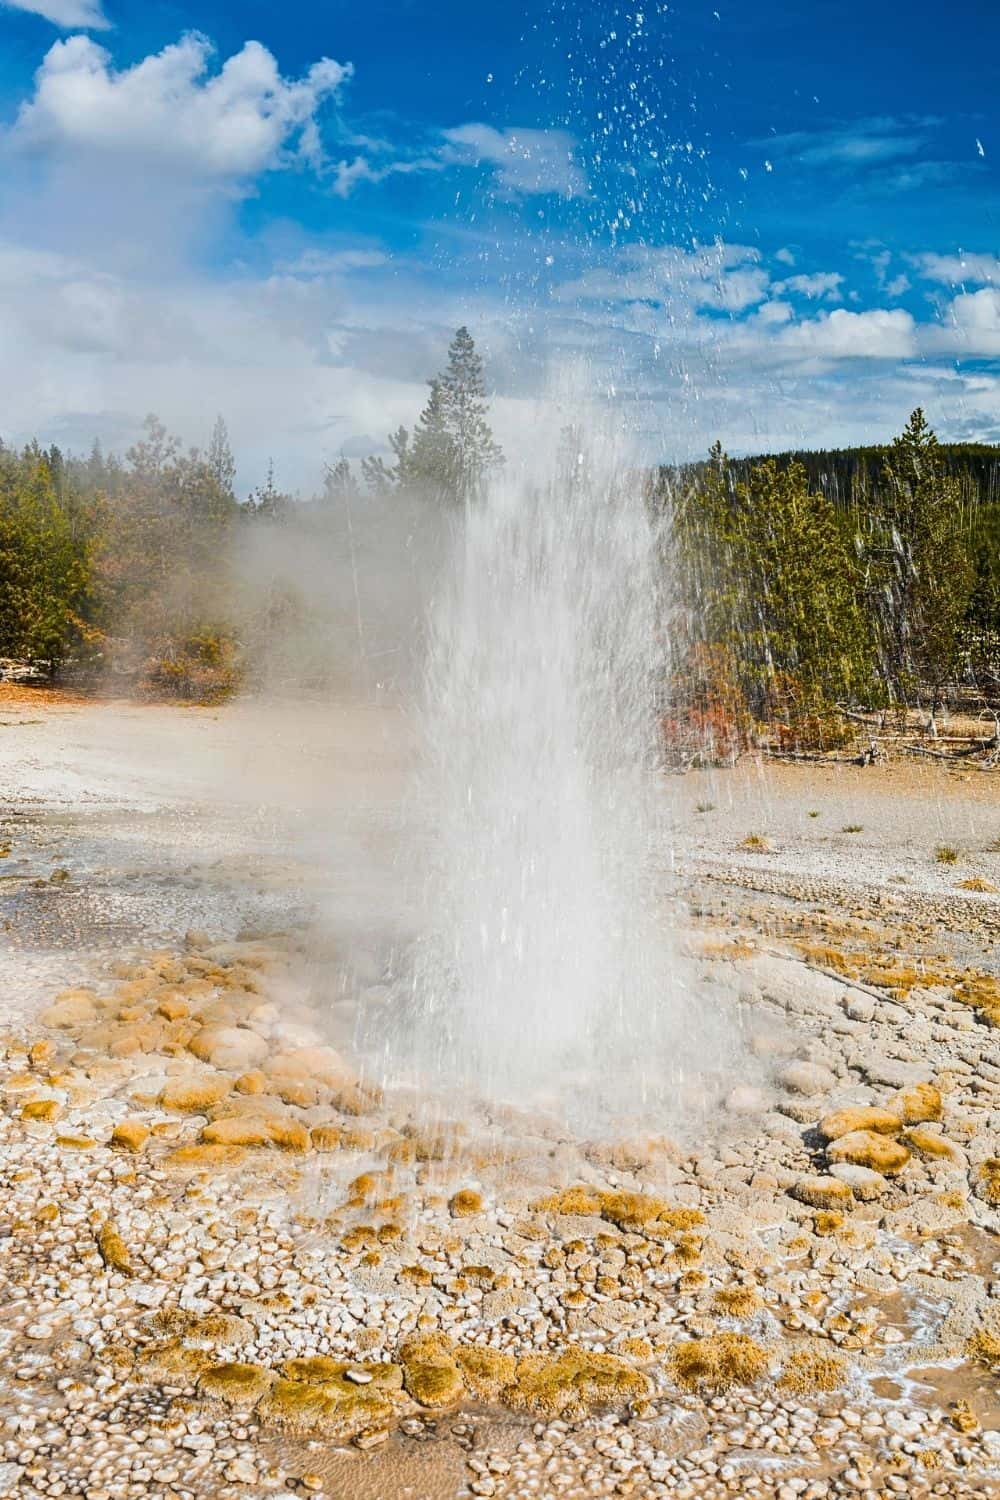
[123,566]
[804,583]
[795,601]
[117,561]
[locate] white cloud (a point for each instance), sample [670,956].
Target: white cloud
[978,310]
[526,161]
[881,333]
[774,314]
[347,174]
[876,255]
[68,14]
[887,154]
[858,143]
[953,270]
[824,284]
[322,263]
[974,319]
[304,359]
[232,124]
[267,351]
[919,174]
[722,277]
[228,125]
[320,343]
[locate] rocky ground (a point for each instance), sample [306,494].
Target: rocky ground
[232,1267]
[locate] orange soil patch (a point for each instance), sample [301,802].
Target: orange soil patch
[39,695]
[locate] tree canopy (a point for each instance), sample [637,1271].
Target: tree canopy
[451,452]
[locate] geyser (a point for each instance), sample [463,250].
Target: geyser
[545,970]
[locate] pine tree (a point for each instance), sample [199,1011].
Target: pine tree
[43,566]
[463,390]
[920,565]
[220,457]
[433,461]
[339,481]
[399,443]
[155,451]
[452,451]
[266,499]
[771,590]
[377,476]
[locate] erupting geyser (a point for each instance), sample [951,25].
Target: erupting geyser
[545,971]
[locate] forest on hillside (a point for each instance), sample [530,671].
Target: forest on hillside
[804,584]
[862,579]
[849,476]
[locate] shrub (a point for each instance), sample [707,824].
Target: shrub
[201,668]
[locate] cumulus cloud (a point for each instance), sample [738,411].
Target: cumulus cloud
[526,161]
[954,270]
[773,314]
[821,284]
[310,347]
[67,14]
[881,333]
[231,124]
[325,347]
[280,354]
[972,323]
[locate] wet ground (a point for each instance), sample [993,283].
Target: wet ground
[233,1267]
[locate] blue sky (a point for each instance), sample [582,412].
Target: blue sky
[769,223]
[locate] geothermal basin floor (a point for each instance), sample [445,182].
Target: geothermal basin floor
[233,1267]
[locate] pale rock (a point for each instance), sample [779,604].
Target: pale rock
[822,1192]
[71,1011]
[890,1071]
[232,1048]
[866,1184]
[746,1100]
[320,1064]
[859,1005]
[780,1128]
[809,1078]
[790,984]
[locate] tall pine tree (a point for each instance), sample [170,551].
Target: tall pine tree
[452,451]
[221,462]
[463,391]
[921,566]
